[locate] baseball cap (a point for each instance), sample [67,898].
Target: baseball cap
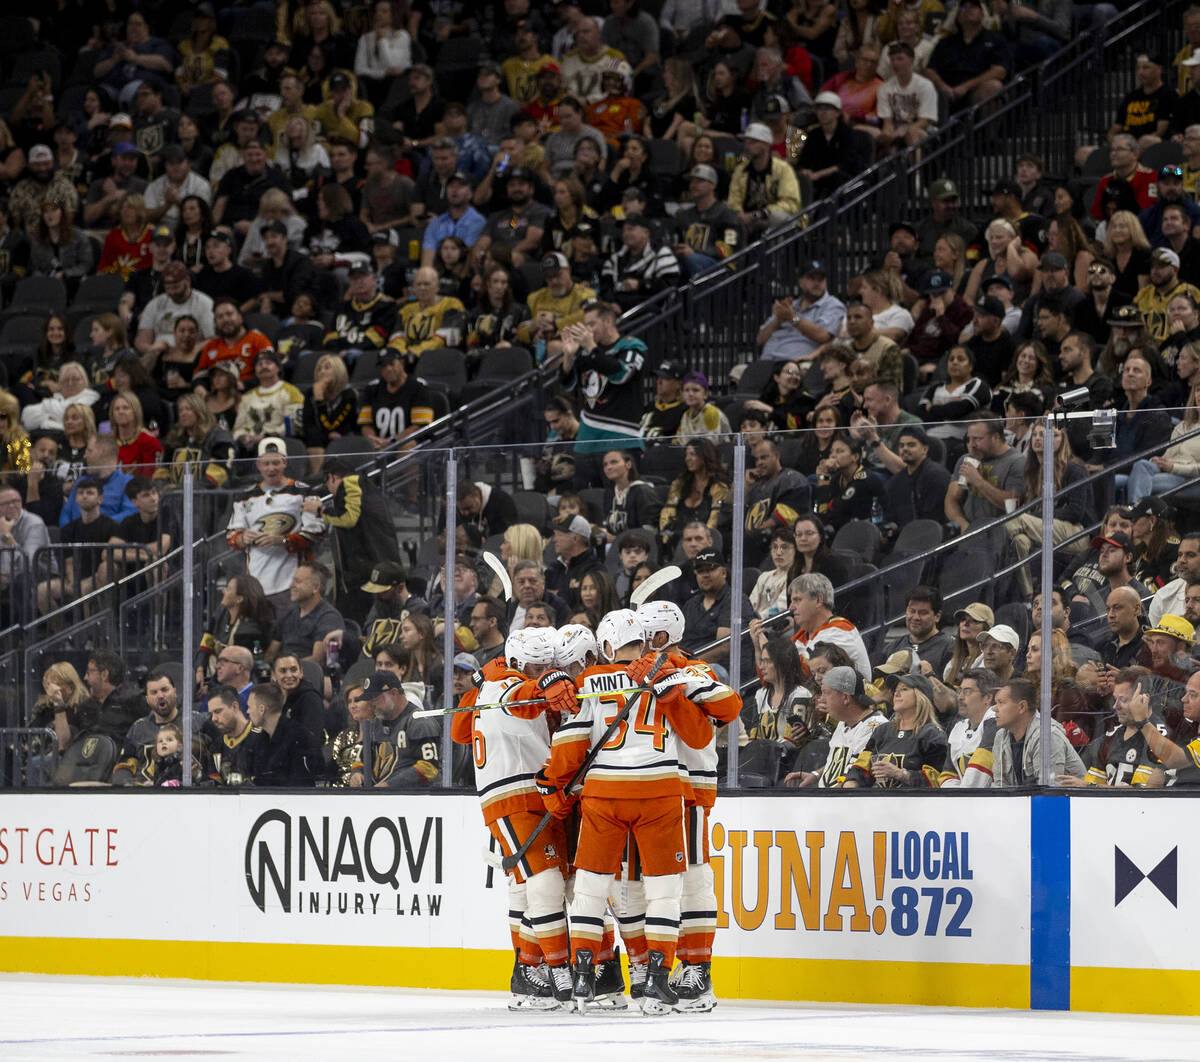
[1151,57]
[1165,256]
[378,682]
[222,235]
[270,354]
[1006,186]
[520,173]
[1117,538]
[465,662]
[1002,633]
[758,131]
[1053,260]
[1147,506]
[633,192]
[120,120]
[896,664]
[812,267]
[846,680]
[828,99]
[40,153]
[384,576]
[704,172]
[388,354]
[938,282]
[1128,315]
[124,148]
[555,261]
[581,228]
[989,304]
[638,219]
[918,682]
[671,370]
[943,188]
[272,444]
[388,236]
[361,267]
[575,525]
[549,68]
[275,226]
[999,278]
[708,558]
[461,178]
[901,226]
[697,377]
[339,81]
[163,232]
[1174,627]
[174,153]
[977,611]
[775,107]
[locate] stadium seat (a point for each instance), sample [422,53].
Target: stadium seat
[862,605]
[1018,617]
[37,295]
[306,367]
[757,375]
[19,338]
[532,508]
[860,538]
[663,461]
[665,159]
[366,369]
[315,674]
[1098,163]
[1167,153]
[99,294]
[266,323]
[497,367]
[593,499]
[444,368]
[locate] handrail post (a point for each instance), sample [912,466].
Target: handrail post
[736,553]
[450,605]
[1047,586]
[189,615]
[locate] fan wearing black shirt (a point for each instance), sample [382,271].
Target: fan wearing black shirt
[397,405]
[83,569]
[144,527]
[222,277]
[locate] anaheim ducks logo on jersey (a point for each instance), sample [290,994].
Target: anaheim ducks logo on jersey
[280,524]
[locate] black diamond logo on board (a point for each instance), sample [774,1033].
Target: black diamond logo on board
[1127,876]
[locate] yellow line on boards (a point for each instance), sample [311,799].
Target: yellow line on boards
[1122,991]
[815,980]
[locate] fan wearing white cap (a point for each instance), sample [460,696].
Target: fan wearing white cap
[509,745]
[633,787]
[999,645]
[1164,286]
[763,190]
[831,156]
[708,230]
[663,623]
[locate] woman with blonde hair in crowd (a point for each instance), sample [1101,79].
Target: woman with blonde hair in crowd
[65,706]
[137,450]
[330,409]
[1073,510]
[1003,258]
[1126,246]
[972,622]
[127,246]
[671,116]
[910,749]
[72,389]
[196,437]
[273,206]
[78,428]
[521,542]
[14,438]
[223,395]
[346,747]
[297,152]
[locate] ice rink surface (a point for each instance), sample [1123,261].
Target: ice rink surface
[85,1018]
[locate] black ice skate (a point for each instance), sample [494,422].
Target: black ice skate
[658,997]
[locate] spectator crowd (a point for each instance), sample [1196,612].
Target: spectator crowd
[255,240]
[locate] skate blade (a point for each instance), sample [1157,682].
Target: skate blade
[654,1008]
[612,1002]
[701,1005]
[534,1003]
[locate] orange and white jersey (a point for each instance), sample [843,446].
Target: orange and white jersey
[508,745]
[721,704]
[641,759]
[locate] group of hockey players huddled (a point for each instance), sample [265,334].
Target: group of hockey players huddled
[596,767]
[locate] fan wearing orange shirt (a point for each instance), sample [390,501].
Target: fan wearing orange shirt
[617,112]
[233,342]
[634,788]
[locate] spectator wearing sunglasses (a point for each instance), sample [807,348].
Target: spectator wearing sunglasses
[1170,191]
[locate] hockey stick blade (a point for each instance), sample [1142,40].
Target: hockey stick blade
[654,582]
[501,573]
[576,779]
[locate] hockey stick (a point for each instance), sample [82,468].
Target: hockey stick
[428,712]
[654,582]
[510,861]
[501,573]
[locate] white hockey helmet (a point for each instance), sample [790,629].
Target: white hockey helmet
[655,616]
[618,629]
[618,68]
[531,645]
[575,641]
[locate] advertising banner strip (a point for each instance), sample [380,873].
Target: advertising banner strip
[1050,903]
